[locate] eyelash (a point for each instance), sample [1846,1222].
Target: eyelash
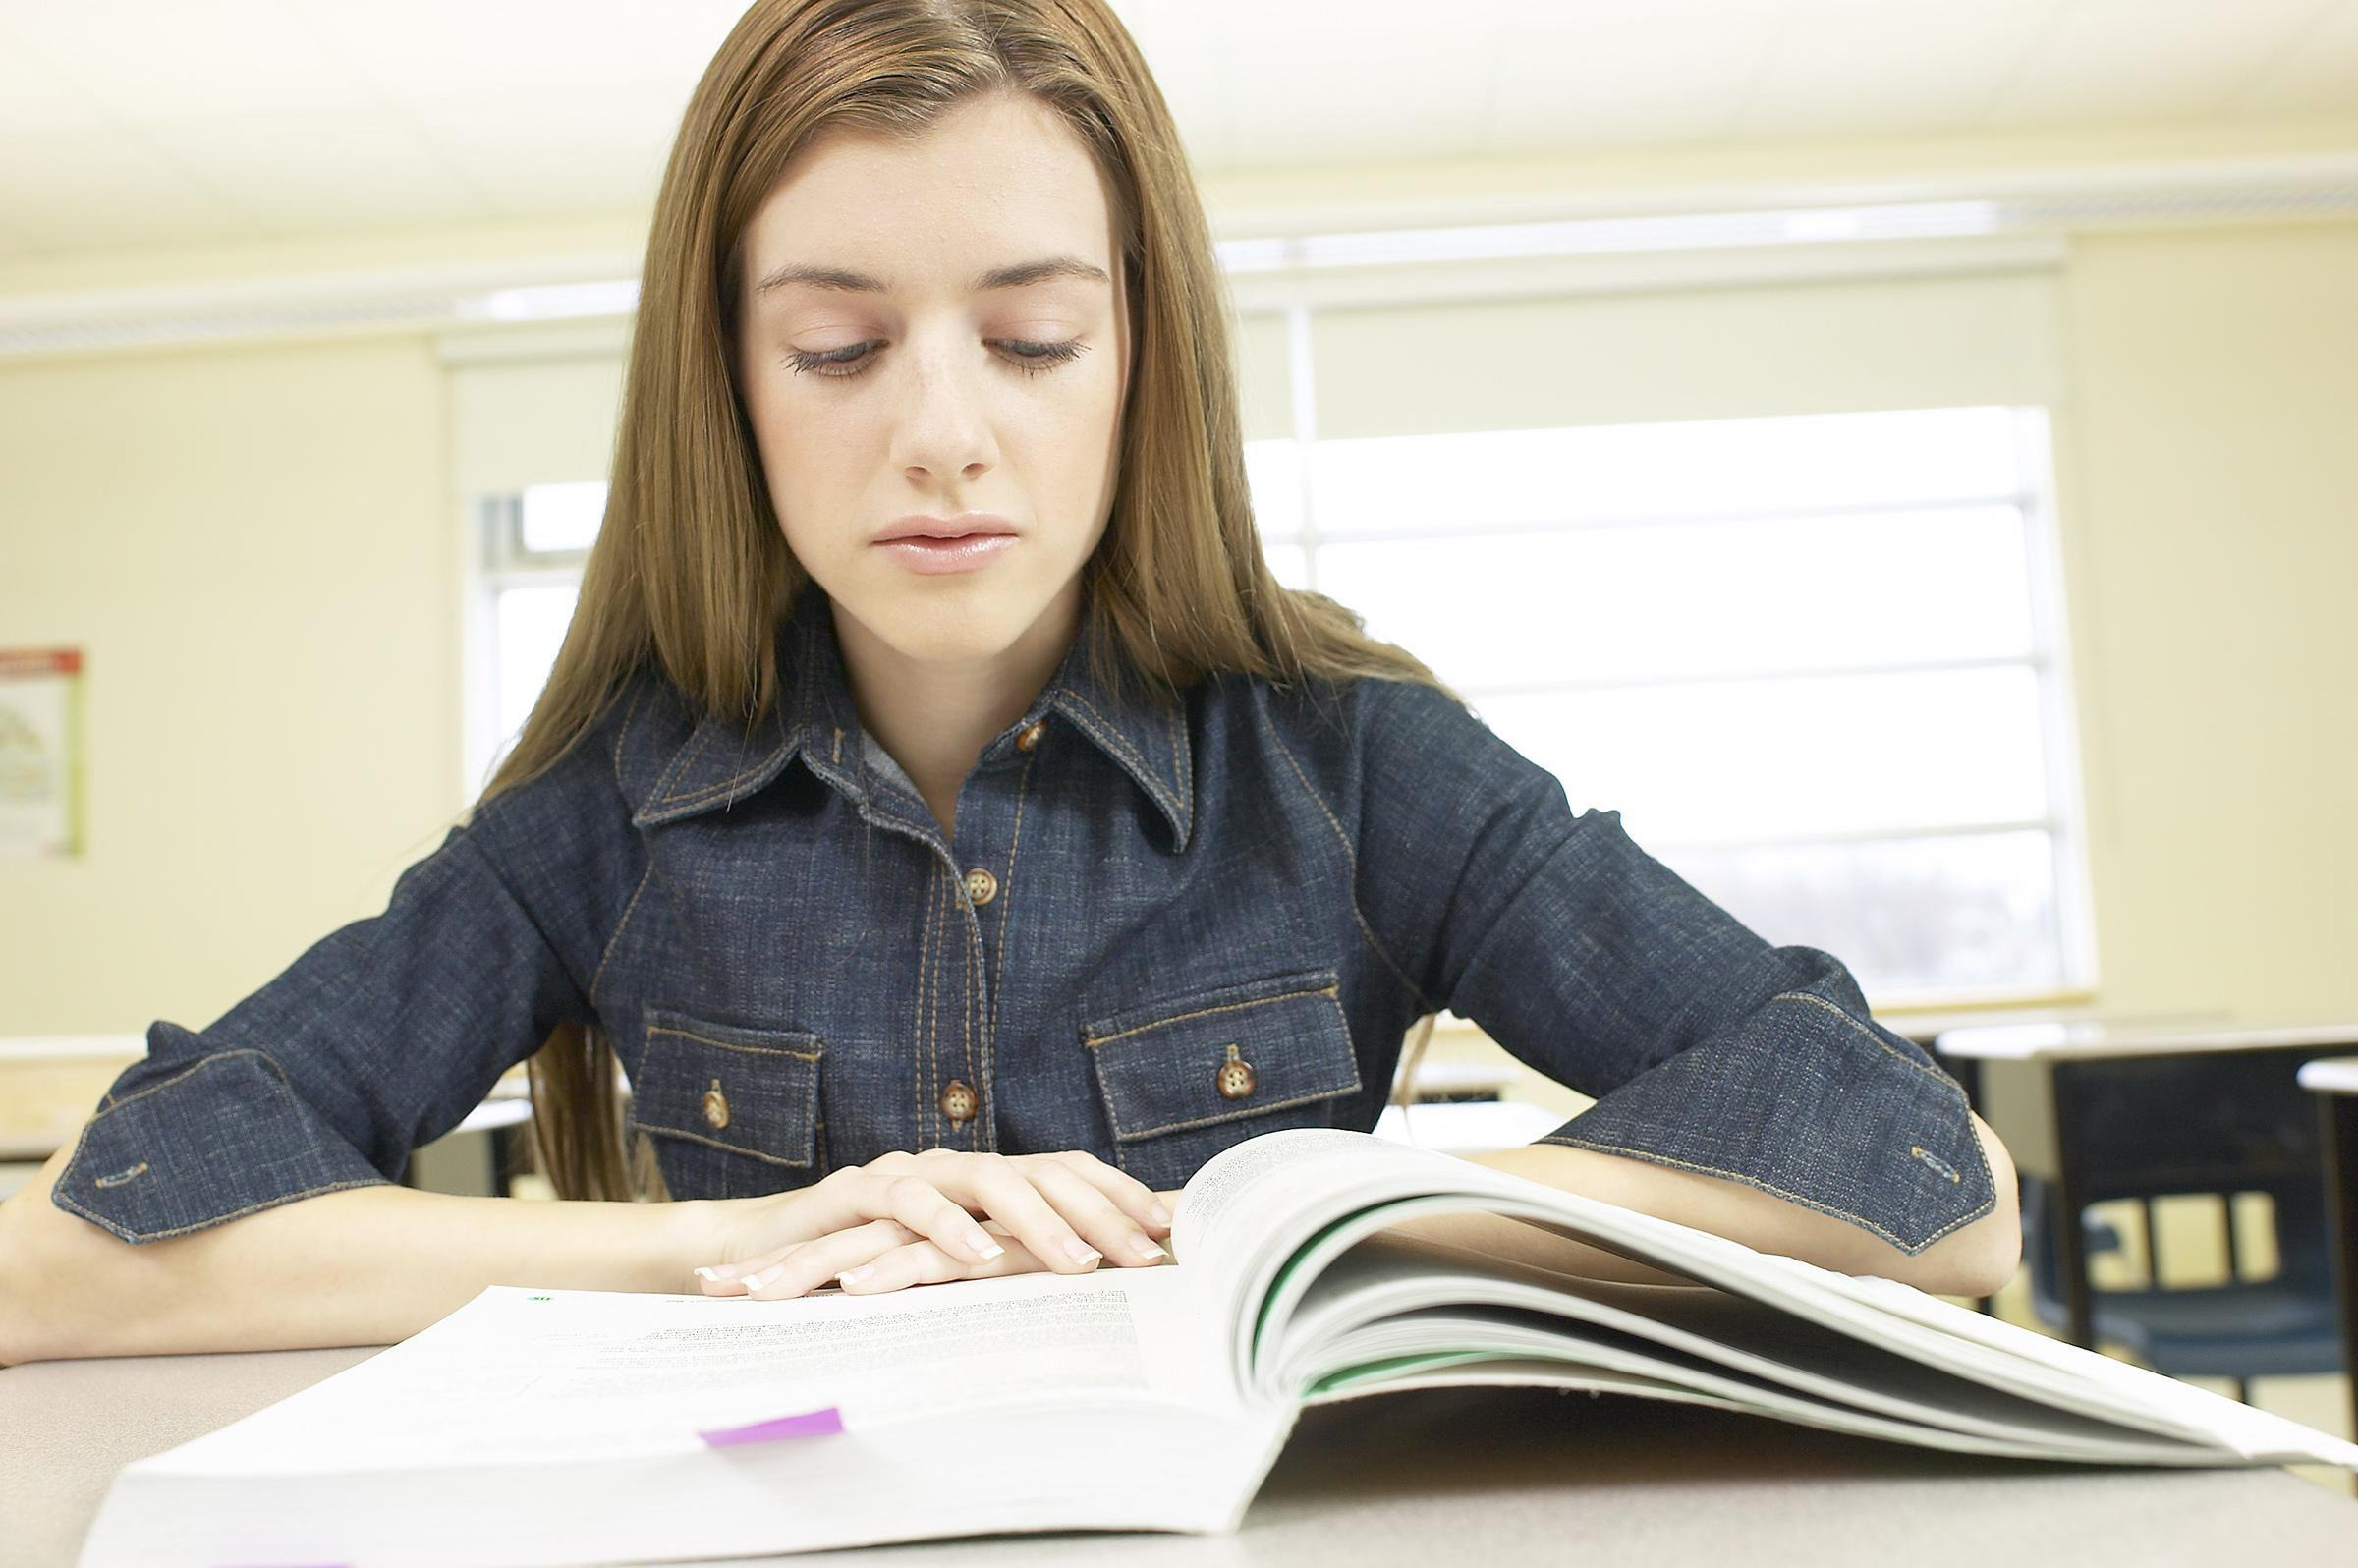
[1048,357]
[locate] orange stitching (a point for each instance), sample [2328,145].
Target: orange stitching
[65,1200]
[607,955]
[966,1013]
[1115,734]
[80,1144]
[1350,857]
[1102,727]
[933,1010]
[697,741]
[998,982]
[728,1045]
[731,1148]
[1238,1116]
[624,733]
[1105,1095]
[204,1061]
[725,785]
[1350,1055]
[1860,1220]
[1092,1041]
[917,1032]
[1882,1044]
[1184,769]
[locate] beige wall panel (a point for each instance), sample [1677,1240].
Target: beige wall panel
[1625,359]
[2211,512]
[255,548]
[546,423]
[1264,378]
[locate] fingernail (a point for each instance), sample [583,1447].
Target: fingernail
[1146,1248]
[708,1277]
[1080,1251]
[764,1279]
[1160,1215]
[852,1276]
[983,1246]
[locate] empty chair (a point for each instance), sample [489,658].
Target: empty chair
[2160,1128]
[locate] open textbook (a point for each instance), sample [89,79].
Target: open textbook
[539,1426]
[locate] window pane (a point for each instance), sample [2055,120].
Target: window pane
[532,628]
[1928,915]
[1289,562]
[563,517]
[1697,598]
[1743,759]
[1273,475]
[1424,483]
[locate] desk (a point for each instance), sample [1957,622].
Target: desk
[1415,1479]
[2035,1083]
[2334,1080]
[1468,1126]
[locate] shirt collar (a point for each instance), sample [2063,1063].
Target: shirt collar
[720,763]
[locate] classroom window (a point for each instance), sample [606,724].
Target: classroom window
[1811,660]
[533,547]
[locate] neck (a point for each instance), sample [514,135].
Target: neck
[935,718]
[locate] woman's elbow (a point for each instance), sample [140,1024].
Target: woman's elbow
[1981,1259]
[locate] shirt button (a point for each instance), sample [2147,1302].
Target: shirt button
[716,1106]
[981,887]
[958,1101]
[1030,735]
[1235,1078]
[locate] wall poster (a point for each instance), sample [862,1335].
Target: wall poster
[41,752]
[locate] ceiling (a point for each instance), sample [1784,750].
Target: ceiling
[138,123]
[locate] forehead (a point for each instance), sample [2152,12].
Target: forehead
[996,180]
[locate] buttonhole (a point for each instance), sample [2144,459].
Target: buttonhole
[122,1176]
[1935,1161]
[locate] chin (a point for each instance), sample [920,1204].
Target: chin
[953,629]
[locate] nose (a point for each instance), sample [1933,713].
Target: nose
[943,429]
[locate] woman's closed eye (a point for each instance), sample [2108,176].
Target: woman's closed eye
[1032,359]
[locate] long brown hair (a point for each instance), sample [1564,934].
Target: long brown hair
[690,568]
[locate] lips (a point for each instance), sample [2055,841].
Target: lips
[965,525]
[929,556]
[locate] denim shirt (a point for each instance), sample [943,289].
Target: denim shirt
[1156,932]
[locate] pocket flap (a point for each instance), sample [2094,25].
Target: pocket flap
[1169,1066]
[730,1085]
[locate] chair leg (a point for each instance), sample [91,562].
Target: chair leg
[2243,1390]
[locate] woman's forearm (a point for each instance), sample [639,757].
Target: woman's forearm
[1975,1261]
[369,1265]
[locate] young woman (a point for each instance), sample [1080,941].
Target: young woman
[945,823]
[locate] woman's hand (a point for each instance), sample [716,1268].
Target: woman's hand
[908,1220]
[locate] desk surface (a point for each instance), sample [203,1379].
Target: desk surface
[2079,1039]
[1531,1475]
[2330,1075]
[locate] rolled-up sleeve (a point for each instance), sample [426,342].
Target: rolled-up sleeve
[1704,1046]
[383,1035]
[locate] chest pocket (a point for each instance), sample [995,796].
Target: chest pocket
[732,1109]
[1185,1078]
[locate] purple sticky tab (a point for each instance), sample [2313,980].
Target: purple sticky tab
[810,1423]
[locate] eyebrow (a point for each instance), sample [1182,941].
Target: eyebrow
[1014,277]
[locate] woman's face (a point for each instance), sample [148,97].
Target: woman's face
[906,382]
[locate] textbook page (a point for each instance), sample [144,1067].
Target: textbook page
[534,1375]
[1265,1215]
